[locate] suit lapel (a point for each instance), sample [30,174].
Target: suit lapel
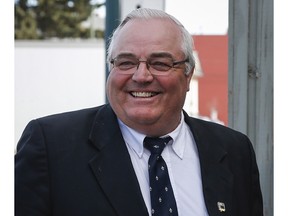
[217,180]
[112,166]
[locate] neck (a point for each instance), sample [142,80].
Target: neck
[156,129]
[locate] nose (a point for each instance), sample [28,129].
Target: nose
[142,73]
[143,61]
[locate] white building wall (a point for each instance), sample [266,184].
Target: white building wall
[191,105]
[53,77]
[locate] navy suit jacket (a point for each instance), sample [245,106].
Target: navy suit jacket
[77,164]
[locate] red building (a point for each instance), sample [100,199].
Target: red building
[213,84]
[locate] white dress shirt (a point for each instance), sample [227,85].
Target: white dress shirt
[181,157]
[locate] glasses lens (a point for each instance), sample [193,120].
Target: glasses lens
[161,64]
[125,63]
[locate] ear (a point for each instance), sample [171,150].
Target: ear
[189,78]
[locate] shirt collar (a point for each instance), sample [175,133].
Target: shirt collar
[135,139]
[132,138]
[178,138]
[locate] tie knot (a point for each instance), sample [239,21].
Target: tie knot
[155,144]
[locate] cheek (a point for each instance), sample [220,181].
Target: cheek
[180,85]
[114,86]
[111,88]
[178,91]
[108,87]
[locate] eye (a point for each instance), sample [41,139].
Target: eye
[161,64]
[126,64]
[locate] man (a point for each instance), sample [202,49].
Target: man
[95,161]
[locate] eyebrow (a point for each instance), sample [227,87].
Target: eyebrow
[153,55]
[126,55]
[161,55]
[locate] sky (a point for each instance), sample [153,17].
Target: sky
[200,16]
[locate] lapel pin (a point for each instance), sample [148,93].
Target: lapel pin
[221,206]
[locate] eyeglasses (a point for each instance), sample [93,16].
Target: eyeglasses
[156,65]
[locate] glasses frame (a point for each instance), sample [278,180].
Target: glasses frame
[148,65]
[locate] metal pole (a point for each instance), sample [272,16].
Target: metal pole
[251,83]
[112,21]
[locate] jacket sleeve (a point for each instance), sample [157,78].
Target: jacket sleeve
[32,173]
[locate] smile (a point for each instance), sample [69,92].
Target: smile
[143,94]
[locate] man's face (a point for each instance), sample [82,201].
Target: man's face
[150,104]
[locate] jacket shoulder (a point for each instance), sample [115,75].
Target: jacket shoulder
[69,115]
[219,135]
[211,127]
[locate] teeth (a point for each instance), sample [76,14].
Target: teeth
[143,94]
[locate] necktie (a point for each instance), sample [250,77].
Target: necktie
[162,197]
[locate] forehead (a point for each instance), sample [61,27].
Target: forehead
[145,36]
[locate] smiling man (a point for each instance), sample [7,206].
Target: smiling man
[141,154]
[147,84]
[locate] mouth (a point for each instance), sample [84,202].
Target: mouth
[143,94]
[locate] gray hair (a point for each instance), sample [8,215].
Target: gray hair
[146,13]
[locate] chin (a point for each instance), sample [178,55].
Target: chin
[143,118]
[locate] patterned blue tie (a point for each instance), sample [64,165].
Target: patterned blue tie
[162,197]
